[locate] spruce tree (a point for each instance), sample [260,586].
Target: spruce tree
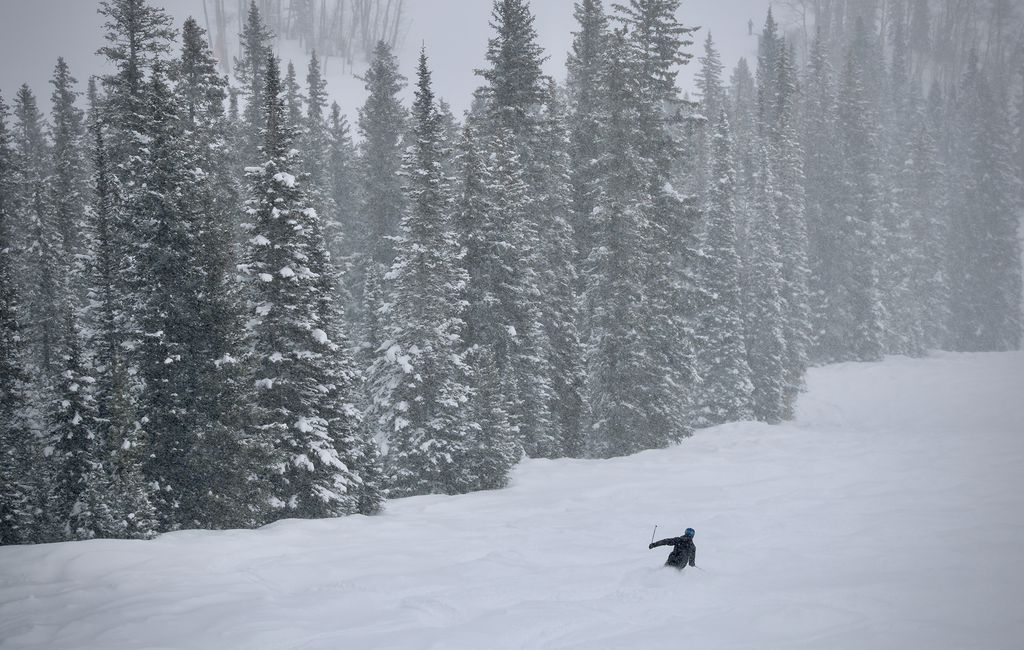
[985,247]
[556,263]
[138,36]
[381,125]
[766,334]
[315,134]
[421,396]
[514,77]
[342,226]
[117,498]
[725,389]
[514,318]
[856,326]
[744,125]
[495,446]
[771,47]
[68,186]
[520,131]
[166,262]
[70,429]
[712,102]
[43,262]
[381,200]
[822,164]
[655,48]
[709,81]
[293,101]
[17,445]
[293,353]
[793,245]
[250,70]
[584,86]
[632,404]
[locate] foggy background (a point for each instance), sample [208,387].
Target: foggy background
[33,33]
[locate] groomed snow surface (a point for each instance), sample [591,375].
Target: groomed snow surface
[889,515]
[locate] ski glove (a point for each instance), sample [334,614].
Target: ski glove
[650,546]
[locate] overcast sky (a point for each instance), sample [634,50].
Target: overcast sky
[33,33]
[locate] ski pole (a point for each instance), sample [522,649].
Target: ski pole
[655,531]
[698,568]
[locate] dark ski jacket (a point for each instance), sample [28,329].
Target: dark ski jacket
[683,551]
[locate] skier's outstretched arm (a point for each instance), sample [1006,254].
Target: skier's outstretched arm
[693,556]
[671,541]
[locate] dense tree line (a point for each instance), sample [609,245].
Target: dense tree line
[219,308]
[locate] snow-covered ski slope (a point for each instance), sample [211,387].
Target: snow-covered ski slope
[890,515]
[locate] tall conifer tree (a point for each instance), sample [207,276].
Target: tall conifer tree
[419,383]
[293,353]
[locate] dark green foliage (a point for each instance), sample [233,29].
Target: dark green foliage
[299,408]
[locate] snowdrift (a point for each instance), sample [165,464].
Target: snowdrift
[889,515]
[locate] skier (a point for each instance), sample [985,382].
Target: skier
[683,551]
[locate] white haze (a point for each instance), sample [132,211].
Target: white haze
[33,33]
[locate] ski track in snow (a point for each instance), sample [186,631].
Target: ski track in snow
[889,515]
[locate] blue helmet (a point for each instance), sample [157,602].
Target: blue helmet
[690,532]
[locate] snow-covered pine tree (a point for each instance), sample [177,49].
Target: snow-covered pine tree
[585,65]
[900,254]
[70,412]
[68,186]
[382,122]
[116,495]
[556,262]
[138,35]
[222,452]
[420,393]
[922,179]
[42,269]
[341,396]
[771,46]
[513,319]
[742,107]
[822,165]
[857,322]
[630,405]
[703,123]
[515,78]
[494,446]
[315,139]
[766,317]
[17,443]
[342,186]
[70,430]
[293,101]
[709,82]
[725,393]
[292,353]
[985,245]
[255,44]
[793,246]
[167,267]
[657,45]
[512,102]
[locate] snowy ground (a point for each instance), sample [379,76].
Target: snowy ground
[890,515]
